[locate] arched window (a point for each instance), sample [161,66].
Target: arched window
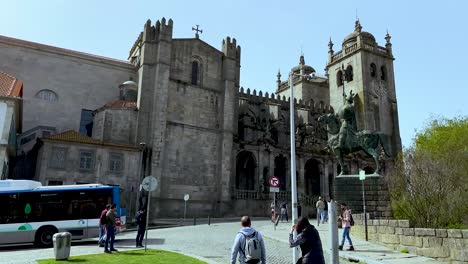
[312,177]
[245,171]
[195,71]
[383,73]
[280,170]
[47,95]
[373,70]
[349,73]
[339,78]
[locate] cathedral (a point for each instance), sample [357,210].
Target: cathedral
[175,110]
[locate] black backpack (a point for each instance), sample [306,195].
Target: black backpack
[103,219]
[351,220]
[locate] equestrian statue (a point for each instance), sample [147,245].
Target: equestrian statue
[344,138]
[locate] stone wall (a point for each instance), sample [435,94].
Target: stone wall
[449,245]
[349,190]
[78,81]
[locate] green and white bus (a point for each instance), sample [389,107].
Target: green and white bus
[32,213]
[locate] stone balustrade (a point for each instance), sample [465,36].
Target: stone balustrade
[449,245]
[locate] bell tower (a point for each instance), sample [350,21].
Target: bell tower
[367,69]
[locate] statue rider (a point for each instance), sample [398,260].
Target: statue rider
[347,117]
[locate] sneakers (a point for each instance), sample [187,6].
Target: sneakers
[107,252]
[139,246]
[100,245]
[113,249]
[351,248]
[340,247]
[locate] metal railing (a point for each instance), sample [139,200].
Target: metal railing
[280,196]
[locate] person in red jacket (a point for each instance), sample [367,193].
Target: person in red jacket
[102,227]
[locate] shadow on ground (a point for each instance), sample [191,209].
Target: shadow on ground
[131,243]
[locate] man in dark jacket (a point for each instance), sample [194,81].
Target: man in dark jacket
[308,239]
[102,227]
[110,228]
[140,221]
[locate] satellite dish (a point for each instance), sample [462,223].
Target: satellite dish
[149,183]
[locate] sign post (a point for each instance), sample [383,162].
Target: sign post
[186,198]
[362,177]
[150,184]
[274,188]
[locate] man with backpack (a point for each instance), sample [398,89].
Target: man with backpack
[102,225]
[140,221]
[249,244]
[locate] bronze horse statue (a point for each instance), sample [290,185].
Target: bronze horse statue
[361,140]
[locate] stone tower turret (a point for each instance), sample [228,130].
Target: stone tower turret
[367,69]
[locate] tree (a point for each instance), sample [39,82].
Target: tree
[429,183]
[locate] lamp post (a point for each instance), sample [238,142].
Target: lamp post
[293,156]
[140,174]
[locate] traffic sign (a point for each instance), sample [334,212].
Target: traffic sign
[186,197]
[362,175]
[274,189]
[274,181]
[149,183]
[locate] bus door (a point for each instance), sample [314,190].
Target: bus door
[78,222]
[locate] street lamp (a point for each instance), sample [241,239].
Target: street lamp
[293,155]
[140,174]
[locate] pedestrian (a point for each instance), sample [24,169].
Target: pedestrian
[325,210]
[102,227]
[273,215]
[308,239]
[140,221]
[284,211]
[249,244]
[110,229]
[320,205]
[345,218]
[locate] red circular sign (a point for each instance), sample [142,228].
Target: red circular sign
[274,181]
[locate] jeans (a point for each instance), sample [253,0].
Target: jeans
[323,216]
[140,235]
[110,236]
[346,235]
[102,234]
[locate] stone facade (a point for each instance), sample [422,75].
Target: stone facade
[70,158]
[56,79]
[443,244]
[200,132]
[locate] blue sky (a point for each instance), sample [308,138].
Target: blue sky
[428,39]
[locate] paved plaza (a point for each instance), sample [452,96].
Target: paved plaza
[212,243]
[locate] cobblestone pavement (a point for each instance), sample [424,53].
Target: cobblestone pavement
[211,243]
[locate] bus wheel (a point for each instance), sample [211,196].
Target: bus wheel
[44,236]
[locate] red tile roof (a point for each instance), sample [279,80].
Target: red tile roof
[75,137]
[10,86]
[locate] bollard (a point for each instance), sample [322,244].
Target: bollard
[209,220]
[194,221]
[333,233]
[62,245]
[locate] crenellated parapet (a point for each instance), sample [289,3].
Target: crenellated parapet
[160,31]
[316,107]
[231,49]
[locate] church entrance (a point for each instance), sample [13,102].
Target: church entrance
[280,171]
[312,177]
[245,171]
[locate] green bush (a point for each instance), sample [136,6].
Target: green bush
[428,184]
